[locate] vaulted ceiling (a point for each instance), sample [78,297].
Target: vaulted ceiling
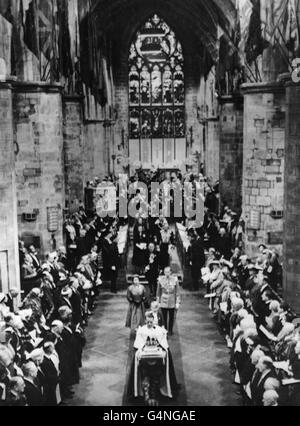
[194,21]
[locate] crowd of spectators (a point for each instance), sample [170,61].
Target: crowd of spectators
[42,329]
[261,330]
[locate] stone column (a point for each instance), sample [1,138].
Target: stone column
[9,255]
[212,149]
[38,127]
[73,151]
[231,151]
[264,133]
[291,250]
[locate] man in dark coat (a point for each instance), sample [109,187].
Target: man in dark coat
[50,369]
[224,244]
[113,263]
[197,258]
[152,269]
[32,391]
[266,371]
[71,346]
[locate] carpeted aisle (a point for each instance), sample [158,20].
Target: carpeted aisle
[199,352]
[200,355]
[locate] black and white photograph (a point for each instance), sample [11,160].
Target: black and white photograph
[149,205]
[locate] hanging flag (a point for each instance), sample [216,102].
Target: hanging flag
[64,40]
[29,13]
[293,28]
[274,19]
[254,43]
[5,47]
[48,31]
[244,13]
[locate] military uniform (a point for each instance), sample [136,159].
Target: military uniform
[168,295]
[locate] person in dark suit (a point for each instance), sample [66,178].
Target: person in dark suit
[34,256]
[265,371]
[197,258]
[15,396]
[32,391]
[10,298]
[114,263]
[224,244]
[51,371]
[57,329]
[152,269]
[76,302]
[140,242]
[68,353]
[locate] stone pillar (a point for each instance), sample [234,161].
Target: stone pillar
[264,133]
[9,255]
[231,152]
[212,149]
[73,151]
[291,249]
[38,127]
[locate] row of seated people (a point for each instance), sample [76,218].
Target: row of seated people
[42,336]
[261,331]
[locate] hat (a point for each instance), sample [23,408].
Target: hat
[66,291]
[225,262]
[215,262]
[254,268]
[2,297]
[263,245]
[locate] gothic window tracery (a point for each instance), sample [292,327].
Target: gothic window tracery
[156,83]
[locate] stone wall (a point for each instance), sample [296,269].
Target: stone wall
[38,134]
[95,151]
[9,259]
[73,152]
[231,152]
[263,164]
[212,150]
[292,199]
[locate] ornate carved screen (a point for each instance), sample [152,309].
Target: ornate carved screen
[156,97]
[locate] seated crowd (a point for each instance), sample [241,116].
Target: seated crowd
[42,332]
[261,330]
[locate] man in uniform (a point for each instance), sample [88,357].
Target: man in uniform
[168,296]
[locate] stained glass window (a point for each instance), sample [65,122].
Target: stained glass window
[156,84]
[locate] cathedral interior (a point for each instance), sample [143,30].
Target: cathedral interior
[99,88]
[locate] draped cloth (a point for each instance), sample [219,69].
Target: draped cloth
[161,362]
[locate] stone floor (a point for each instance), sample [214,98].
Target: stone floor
[199,352]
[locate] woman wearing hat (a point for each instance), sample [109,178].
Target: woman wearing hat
[136,296]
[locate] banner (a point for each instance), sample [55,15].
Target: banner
[5,47]
[280,25]
[255,43]
[29,13]
[64,40]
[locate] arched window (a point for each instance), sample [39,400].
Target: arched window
[156,96]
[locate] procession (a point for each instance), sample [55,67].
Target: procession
[149,204]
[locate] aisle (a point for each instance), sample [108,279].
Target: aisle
[200,356]
[105,356]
